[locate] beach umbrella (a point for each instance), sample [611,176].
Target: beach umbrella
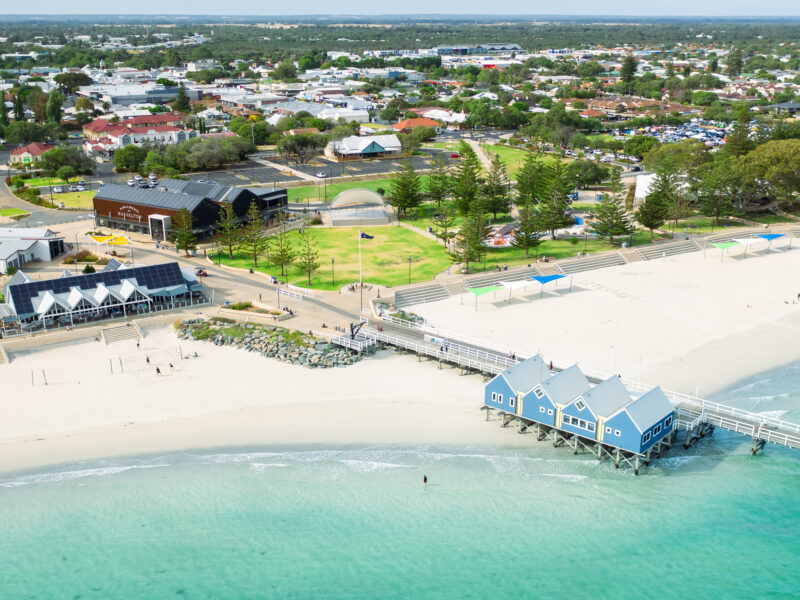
[723,246]
[542,279]
[769,237]
[480,291]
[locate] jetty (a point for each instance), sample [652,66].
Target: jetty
[694,417]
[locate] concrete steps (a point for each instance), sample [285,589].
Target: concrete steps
[495,277]
[657,251]
[118,333]
[418,295]
[589,263]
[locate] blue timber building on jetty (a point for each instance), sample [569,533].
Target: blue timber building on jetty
[566,408]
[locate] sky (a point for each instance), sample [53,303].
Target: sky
[273,8]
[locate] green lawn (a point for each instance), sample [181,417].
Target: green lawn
[513,157]
[385,258]
[71,199]
[699,224]
[601,137]
[558,249]
[770,219]
[422,216]
[313,192]
[12,212]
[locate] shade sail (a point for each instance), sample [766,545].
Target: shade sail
[746,241]
[724,245]
[119,240]
[100,239]
[771,236]
[514,284]
[484,290]
[546,278]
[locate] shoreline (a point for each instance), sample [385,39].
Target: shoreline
[695,323]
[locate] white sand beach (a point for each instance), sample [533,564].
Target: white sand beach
[226,397]
[685,323]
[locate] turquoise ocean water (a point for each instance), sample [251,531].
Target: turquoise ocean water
[322,522]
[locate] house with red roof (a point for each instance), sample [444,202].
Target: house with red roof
[30,153]
[408,125]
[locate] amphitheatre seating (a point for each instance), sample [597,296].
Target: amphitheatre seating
[656,251]
[589,263]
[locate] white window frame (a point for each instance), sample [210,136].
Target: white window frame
[567,419]
[608,429]
[512,400]
[494,396]
[591,427]
[499,398]
[541,409]
[617,433]
[550,412]
[646,438]
[668,422]
[538,392]
[657,429]
[580,404]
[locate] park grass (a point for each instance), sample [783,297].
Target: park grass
[312,192]
[600,137]
[81,200]
[699,224]
[422,216]
[385,258]
[553,249]
[771,219]
[12,212]
[514,157]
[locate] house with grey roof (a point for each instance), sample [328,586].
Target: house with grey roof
[511,389]
[357,147]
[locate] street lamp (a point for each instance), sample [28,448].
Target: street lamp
[409,268]
[333,275]
[585,240]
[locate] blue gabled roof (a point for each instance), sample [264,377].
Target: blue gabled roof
[607,397]
[566,385]
[649,409]
[526,375]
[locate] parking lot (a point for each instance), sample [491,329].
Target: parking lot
[355,168]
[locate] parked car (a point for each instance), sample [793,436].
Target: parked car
[73,188]
[455,155]
[636,168]
[137,177]
[152,177]
[80,188]
[81,182]
[58,190]
[322,175]
[131,183]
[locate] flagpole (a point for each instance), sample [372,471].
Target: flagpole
[360,283]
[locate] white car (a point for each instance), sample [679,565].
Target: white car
[322,175]
[137,177]
[131,183]
[152,177]
[80,188]
[57,190]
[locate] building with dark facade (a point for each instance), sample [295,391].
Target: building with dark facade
[151,211]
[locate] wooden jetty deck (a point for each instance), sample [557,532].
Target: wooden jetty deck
[696,416]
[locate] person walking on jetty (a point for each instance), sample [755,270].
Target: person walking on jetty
[425,480]
[147,358]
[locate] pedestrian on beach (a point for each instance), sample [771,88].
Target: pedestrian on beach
[551,365]
[137,344]
[147,358]
[158,371]
[171,368]
[425,480]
